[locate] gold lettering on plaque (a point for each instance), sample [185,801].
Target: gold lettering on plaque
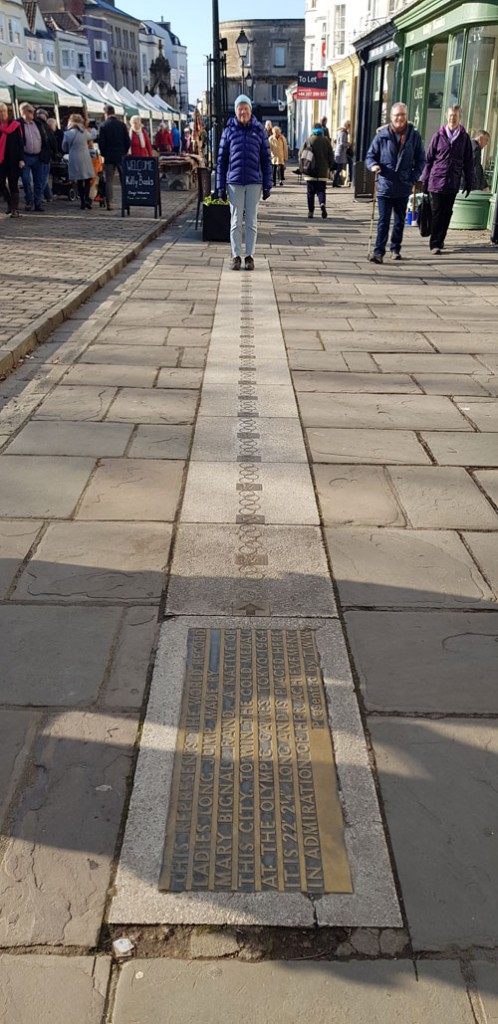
[254,804]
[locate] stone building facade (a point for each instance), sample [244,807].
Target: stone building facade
[275,55]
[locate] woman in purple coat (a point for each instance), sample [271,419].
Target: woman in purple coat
[449,158]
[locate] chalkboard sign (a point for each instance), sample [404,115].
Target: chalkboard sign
[140,184]
[364,181]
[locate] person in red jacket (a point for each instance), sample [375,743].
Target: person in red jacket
[140,142]
[163,141]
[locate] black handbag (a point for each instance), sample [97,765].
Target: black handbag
[425,217]
[216,222]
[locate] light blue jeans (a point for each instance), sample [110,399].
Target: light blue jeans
[244,199]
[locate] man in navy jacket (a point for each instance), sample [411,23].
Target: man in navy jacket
[244,172]
[397,156]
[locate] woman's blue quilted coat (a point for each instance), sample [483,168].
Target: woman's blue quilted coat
[244,156]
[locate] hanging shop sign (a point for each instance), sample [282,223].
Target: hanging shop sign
[312,85]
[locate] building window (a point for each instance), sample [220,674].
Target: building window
[133,44]
[339,29]
[31,47]
[14,29]
[117,33]
[68,58]
[2,29]
[144,64]
[100,49]
[49,55]
[126,43]
[341,103]
[455,69]
[312,57]
[279,56]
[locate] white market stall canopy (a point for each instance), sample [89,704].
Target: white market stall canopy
[148,102]
[116,99]
[129,99]
[22,91]
[66,97]
[97,92]
[94,105]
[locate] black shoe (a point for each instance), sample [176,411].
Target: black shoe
[28,207]
[324,211]
[310,214]
[376,258]
[395,255]
[236,263]
[39,209]
[435,252]
[249,262]
[88,204]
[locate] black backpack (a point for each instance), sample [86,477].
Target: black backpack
[307,162]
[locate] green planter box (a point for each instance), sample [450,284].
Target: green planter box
[471,214]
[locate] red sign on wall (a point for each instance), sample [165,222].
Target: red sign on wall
[312,85]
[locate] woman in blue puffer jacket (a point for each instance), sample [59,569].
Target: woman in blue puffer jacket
[244,173]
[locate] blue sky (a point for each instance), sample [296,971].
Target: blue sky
[191,21]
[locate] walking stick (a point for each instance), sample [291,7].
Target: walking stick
[369,253]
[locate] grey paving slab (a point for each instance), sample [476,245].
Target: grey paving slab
[18,729]
[385,992]
[302,360]
[66,438]
[484,547]
[218,568]
[139,355]
[218,439]
[401,412]
[490,361]
[179,377]
[450,384]
[421,323]
[219,492]
[358,383]
[442,496]
[229,371]
[131,489]
[482,411]
[193,357]
[139,405]
[373,903]
[442,663]
[64,831]
[417,363]
[438,785]
[228,400]
[190,337]
[475,342]
[42,485]
[396,568]
[16,538]
[76,403]
[330,444]
[147,315]
[128,677]
[356,496]
[489,382]
[55,656]
[359,362]
[487,986]
[39,989]
[452,449]
[373,340]
[118,333]
[301,339]
[112,375]
[110,562]
[151,441]
[488,479]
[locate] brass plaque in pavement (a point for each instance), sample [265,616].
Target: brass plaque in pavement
[254,804]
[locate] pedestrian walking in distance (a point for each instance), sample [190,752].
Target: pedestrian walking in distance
[114,143]
[341,143]
[449,158]
[323,163]
[396,156]
[11,159]
[279,153]
[244,173]
[75,143]
[140,142]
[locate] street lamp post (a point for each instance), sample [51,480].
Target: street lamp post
[249,81]
[242,44]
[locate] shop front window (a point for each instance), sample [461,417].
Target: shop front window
[480,89]
[455,69]
[374,117]
[435,114]
[387,91]
[417,87]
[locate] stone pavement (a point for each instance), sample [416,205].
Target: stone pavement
[360,523]
[54,262]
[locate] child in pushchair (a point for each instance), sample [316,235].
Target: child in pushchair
[61,183]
